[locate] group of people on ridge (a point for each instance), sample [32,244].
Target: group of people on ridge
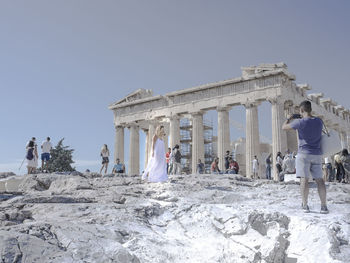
[32,155]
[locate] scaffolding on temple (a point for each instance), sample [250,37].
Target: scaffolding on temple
[186,144]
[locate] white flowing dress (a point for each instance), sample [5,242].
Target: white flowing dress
[156,167]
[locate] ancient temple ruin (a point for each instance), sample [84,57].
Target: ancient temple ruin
[266,82]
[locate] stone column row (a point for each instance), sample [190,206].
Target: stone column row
[279,139]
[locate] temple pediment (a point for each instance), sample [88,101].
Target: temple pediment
[247,71]
[134,96]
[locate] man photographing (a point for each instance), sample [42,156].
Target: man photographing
[309,157]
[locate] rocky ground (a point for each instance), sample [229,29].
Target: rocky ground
[192,218]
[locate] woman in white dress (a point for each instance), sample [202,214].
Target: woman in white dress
[156,167]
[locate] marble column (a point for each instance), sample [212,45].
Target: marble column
[252,136]
[197,139]
[134,152]
[343,139]
[174,133]
[223,135]
[151,132]
[291,135]
[166,143]
[146,146]
[119,144]
[279,137]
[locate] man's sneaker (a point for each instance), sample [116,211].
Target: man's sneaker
[305,208]
[324,209]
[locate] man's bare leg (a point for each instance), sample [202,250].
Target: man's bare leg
[321,187]
[304,190]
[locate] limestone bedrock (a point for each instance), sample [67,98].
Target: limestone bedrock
[190,218]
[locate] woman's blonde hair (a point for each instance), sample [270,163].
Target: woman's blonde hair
[159,132]
[104,148]
[337,158]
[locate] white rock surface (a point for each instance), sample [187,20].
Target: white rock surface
[193,218]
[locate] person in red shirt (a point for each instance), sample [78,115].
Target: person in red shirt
[214,166]
[234,167]
[167,158]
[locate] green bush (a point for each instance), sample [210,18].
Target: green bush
[61,158]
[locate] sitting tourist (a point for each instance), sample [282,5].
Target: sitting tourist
[231,169]
[118,168]
[288,166]
[234,166]
[215,166]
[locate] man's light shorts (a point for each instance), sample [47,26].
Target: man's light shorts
[307,164]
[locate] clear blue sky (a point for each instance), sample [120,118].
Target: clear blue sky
[63,62]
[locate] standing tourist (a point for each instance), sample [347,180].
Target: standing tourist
[32,156]
[156,168]
[345,159]
[46,147]
[279,162]
[171,161]
[31,140]
[227,160]
[200,167]
[268,167]
[105,158]
[167,158]
[340,172]
[255,168]
[328,169]
[309,158]
[176,159]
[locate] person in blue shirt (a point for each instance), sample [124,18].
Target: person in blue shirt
[309,157]
[118,168]
[268,167]
[200,167]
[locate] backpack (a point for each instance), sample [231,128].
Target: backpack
[178,156]
[30,154]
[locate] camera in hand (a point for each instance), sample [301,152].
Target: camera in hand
[296,116]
